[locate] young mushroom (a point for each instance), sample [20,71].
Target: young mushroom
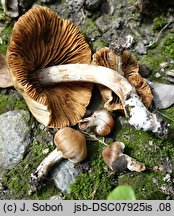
[71,145]
[117,161]
[101,122]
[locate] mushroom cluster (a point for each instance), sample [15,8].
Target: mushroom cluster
[51,66]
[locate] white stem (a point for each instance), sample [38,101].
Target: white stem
[47,162]
[134,165]
[38,175]
[86,73]
[142,119]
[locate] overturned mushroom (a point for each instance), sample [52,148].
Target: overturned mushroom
[136,112]
[40,39]
[57,96]
[126,65]
[101,122]
[71,145]
[117,161]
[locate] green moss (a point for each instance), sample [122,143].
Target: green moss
[90,29]
[97,44]
[18,178]
[168,45]
[159,23]
[152,151]
[5,33]
[161,52]
[95,184]
[143,185]
[11,101]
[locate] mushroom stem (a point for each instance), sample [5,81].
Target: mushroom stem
[86,73]
[38,175]
[134,165]
[137,114]
[142,119]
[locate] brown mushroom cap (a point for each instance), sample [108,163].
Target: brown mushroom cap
[106,57]
[72,144]
[40,39]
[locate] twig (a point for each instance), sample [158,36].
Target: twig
[94,137]
[159,34]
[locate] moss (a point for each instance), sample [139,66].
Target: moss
[168,45]
[11,101]
[159,23]
[161,52]
[95,184]
[5,32]
[152,151]
[18,179]
[90,29]
[97,44]
[143,185]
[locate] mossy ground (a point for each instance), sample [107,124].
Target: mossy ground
[97,182]
[17,180]
[10,100]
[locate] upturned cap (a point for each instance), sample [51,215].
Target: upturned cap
[40,39]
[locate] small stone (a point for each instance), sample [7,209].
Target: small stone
[92,4]
[157,75]
[164,65]
[150,142]
[57,197]
[140,48]
[145,71]
[155,181]
[64,174]
[165,98]
[42,127]
[167,177]
[161,168]
[14,137]
[156,168]
[45,151]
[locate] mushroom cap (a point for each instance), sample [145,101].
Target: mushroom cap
[108,58]
[40,39]
[112,152]
[71,143]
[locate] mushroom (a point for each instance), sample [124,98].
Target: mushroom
[135,111]
[117,161]
[101,122]
[40,38]
[57,96]
[5,80]
[127,66]
[71,145]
